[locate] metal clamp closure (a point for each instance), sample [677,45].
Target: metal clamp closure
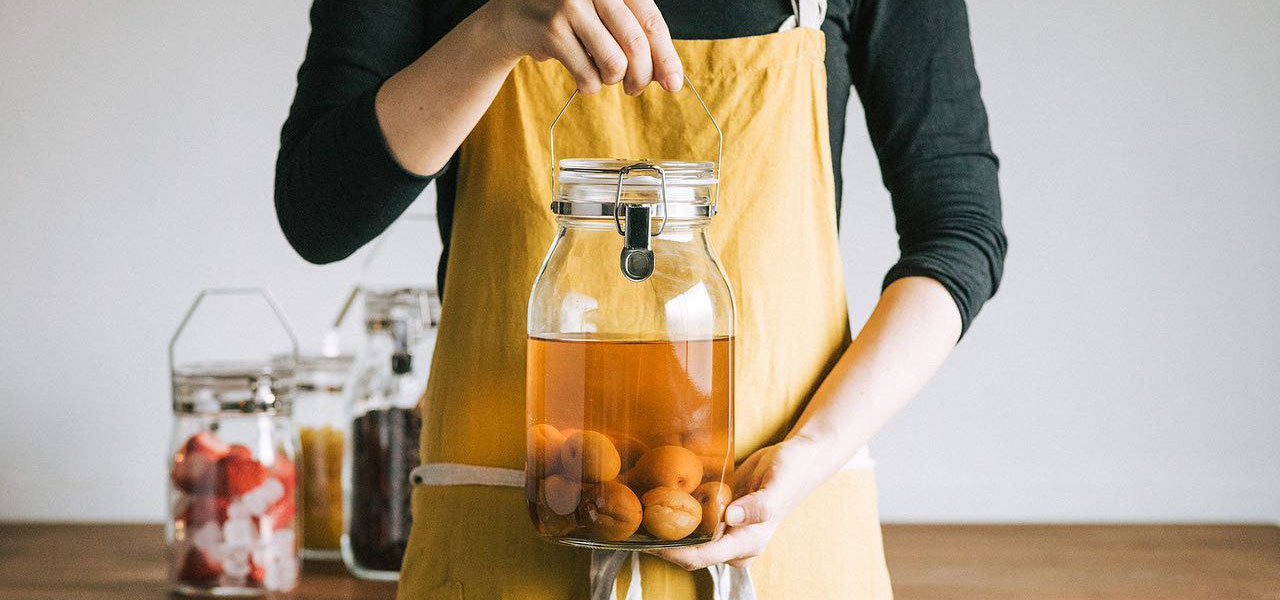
[637,260]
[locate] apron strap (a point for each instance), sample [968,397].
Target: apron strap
[806,13]
[729,583]
[605,566]
[732,583]
[459,474]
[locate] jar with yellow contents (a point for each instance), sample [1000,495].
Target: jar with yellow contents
[320,415]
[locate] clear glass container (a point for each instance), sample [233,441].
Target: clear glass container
[630,361]
[232,478]
[389,378]
[320,413]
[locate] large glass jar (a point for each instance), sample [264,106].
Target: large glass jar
[320,414]
[232,478]
[382,448]
[630,361]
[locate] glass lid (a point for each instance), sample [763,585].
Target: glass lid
[590,187]
[232,386]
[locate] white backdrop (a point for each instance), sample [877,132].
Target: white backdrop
[1128,370]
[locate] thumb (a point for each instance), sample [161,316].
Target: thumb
[756,507]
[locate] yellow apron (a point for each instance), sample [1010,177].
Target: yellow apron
[775,234]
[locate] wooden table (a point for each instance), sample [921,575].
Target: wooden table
[934,562]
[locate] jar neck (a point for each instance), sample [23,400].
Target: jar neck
[672,226]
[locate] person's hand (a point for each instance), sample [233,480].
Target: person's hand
[768,486]
[600,42]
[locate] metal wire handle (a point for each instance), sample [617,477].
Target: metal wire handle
[715,194]
[236,291]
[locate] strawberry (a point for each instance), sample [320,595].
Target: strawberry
[240,472]
[198,510]
[195,464]
[256,573]
[286,472]
[280,515]
[199,568]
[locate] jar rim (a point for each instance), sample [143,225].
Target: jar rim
[232,386]
[676,189]
[678,172]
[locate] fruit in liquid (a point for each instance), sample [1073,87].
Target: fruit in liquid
[660,403]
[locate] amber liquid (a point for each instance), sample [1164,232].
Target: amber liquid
[322,449]
[641,395]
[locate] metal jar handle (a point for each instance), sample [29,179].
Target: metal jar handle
[715,194]
[233,291]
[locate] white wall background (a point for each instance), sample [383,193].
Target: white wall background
[1128,370]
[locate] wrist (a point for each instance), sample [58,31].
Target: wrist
[824,452]
[488,25]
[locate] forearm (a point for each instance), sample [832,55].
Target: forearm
[911,331]
[428,108]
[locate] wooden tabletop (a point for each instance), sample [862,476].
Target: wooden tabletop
[935,562]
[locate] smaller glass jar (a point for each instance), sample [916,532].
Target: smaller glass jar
[382,448]
[232,477]
[320,413]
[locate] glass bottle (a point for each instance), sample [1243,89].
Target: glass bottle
[382,448]
[232,474]
[630,360]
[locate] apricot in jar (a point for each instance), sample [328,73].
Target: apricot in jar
[629,448]
[590,456]
[544,445]
[667,466]
[670,514]
[610,511]
[714,498]
[561,494]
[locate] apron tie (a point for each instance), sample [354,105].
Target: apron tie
[605,566]
[729,583]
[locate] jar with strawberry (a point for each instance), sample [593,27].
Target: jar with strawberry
[232,476]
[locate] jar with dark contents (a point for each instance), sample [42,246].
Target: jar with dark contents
[389,378]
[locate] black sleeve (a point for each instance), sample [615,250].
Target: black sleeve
[912,65]
[337,184]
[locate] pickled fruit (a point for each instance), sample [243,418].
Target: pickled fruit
[627,415]
[545,443]
[611,511]
[233,510]
[590,457]
[195,466]
[561,494]
[669,513]
[660,492]
[629,448]
[714,498]
[667,466]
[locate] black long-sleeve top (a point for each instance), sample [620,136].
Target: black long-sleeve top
[338,186]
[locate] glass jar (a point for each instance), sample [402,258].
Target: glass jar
[320,413]
[232,478]
[630,361]
[382,449]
